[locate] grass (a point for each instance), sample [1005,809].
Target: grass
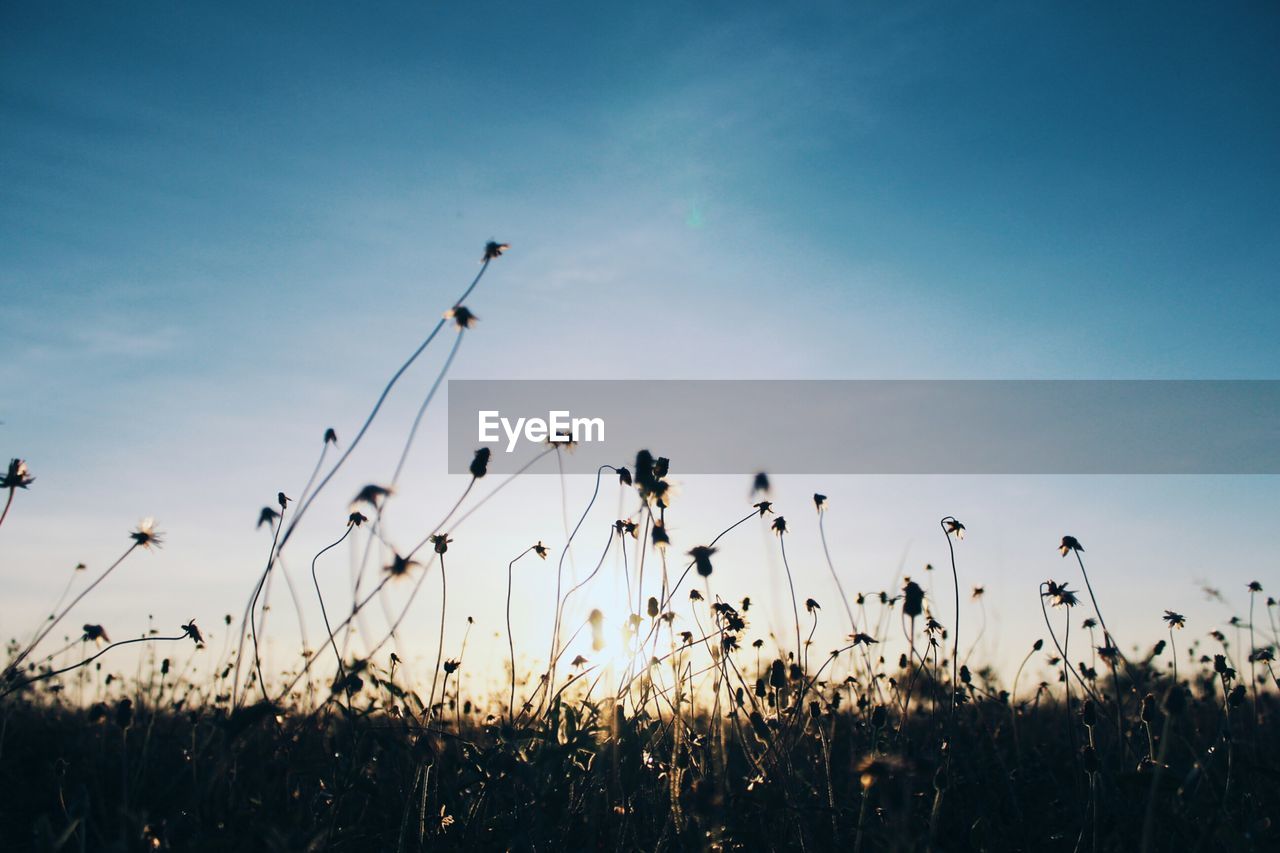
[711,738]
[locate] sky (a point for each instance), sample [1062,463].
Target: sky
[226,226]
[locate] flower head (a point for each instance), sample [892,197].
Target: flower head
[702,559]
[451,665]
[356,518]
[461,317]
[441,542]
[764,506]
[480,463]
[267,516]
[400,566]
[372,495]
[540,550]
[95,634]
[146,534]
[912,599]
[1062,597]
[193,632]
[1069,544]
[811,605]
[660,537]
[331,437]
[953,527]
[779,525]
[760,484]
[819,501]
[283,500]
[494,249]
[17,477]
[1174,620]
[1254,586]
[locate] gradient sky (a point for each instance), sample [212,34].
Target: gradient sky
[225,226]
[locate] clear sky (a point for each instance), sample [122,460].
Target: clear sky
[224,226]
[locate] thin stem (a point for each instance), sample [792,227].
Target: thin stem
[319,595]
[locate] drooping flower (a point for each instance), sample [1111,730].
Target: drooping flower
[953,527]
[811,605]
[1062,597]
[267,516]
[819,501]
[146,534]
[372,495]
[331,437]
[1069,544]
[702,559]
[193,632]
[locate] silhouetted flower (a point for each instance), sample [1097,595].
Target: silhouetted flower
[95,634]
[330,437]
[400,566]
[761,483]
[1175,620]
[1221,667]
[953,527]
[494,250]
[625,526]
[17,476]
[579,661]
[193,632]
[451,666]
[356,518]
[660,537]
[912,599]
[461,317]
[441,542]
[979,591]
[480,462]
[652,607]
[283,499]
[624,476]
[861,639]
[146,535]
[779,525]
[746,604]
[1254,586]
[702,559]
[1262,655]
[267,516]
[1069,544]
[1062,597]
[819,501]
[372,495]
[694,595]
[540,550]
[764,506]
[811,605]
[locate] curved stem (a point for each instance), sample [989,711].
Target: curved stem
[319,595]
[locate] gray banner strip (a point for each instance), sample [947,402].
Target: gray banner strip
[877,426]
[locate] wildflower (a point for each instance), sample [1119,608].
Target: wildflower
[756,644]
[652,607]
[979,591]
[451,666]
[493,250]
[578,662]
[761,484]
[267,516]
[95,634]
[1069,544]
[624,476]
[660,537]
[694,595]
[1264,655]
[1062,597]
[17,477]
[746,604]
[461,317]
[861,639]
[953,527]
[913,599]
[400,566]
[1237,696]
[441,542]
[764,506]
[702,559]
[777,674]
[480,463]
[811,605]
[686,637]
[371,495]
[819,501]
[124,713]
[146,535]
[1254,586]
[779,525]
[540,550]
[356,518]
[1175,620]
[1109,653]
[283,500]
[1088,623]
[331,437]
[190,630]
[625,526]
[1221,667]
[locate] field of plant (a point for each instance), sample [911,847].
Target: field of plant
[708,734]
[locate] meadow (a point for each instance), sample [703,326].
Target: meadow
[707,733]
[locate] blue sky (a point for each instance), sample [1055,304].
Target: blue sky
[224,227]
